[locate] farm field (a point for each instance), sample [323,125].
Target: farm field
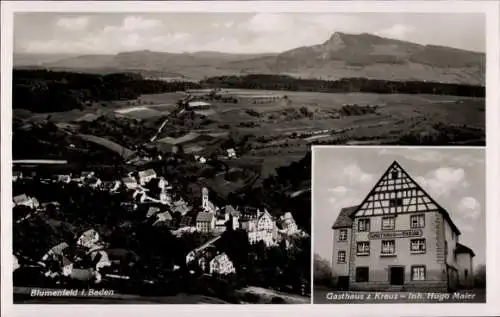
[282,129]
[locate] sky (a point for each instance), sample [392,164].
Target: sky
[110,33]
[454,177]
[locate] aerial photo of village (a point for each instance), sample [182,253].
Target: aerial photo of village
[159,159]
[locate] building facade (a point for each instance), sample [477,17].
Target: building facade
[398,238]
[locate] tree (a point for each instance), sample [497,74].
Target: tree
[322,272]
[480,276]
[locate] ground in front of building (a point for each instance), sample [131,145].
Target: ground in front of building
[323,295]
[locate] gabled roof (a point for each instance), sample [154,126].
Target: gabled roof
[370,205]
[58,249]
[186,221]
[344,219]
[204,216]
[463,249]
[128,180]
[164,216]
[147,173]
[218,258]
[230,210]
[19,199]
[152,211]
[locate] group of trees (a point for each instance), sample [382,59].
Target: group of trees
[281,82]
[51,91]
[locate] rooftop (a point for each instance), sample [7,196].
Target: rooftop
[463,249]
[344,219]
[204,216]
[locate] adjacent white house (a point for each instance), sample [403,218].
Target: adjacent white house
[130,182]
[25,200]
[146,176]
[88,239]
[221,264]
[231,153]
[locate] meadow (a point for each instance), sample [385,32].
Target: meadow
[281,130]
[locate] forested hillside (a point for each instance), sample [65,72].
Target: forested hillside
[48,91]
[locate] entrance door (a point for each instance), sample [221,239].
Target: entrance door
[397,275]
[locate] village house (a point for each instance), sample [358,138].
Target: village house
[152,211]
[25,200]
[86,175]
[260,228]
[163,218]
[187,221]
[99,258]
[16,175]
[288,224]
[163,184]
[181,206]
[205,221]
[146,176]
[129,206]
[130,182]
[201,250]
[200,159]
[54,254]
[111,186]
[465,257]
[93,182]
[231,153]
[63,178]
[399,238]
[88,239]
[165,198]
[221,265]
[15,263]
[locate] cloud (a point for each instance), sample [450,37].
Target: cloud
[443,181]
[134,23]
[73,24]
[469,208]
[418,155]
[269,23]
[397,31]
[338,190]
[354,174]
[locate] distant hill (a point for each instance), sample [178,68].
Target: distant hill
[341,56]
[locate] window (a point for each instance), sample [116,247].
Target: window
[388,223]
[388,247]
[363,248]
[394,174]
[341,257]
[395,202]
[362,274]
[364,225]
[418,273]
[466,273]
[417,246]
[446,249]
[417,221]
[343,235]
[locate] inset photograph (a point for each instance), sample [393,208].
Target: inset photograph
[398,225]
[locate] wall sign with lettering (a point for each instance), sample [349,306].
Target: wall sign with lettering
[395,234]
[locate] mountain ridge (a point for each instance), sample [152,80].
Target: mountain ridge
[342,55]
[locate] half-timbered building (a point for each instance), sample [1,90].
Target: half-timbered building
[399,238]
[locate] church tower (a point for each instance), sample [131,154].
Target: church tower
[204,199]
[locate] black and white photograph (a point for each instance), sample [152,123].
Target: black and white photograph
[399,225]
[201,152]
